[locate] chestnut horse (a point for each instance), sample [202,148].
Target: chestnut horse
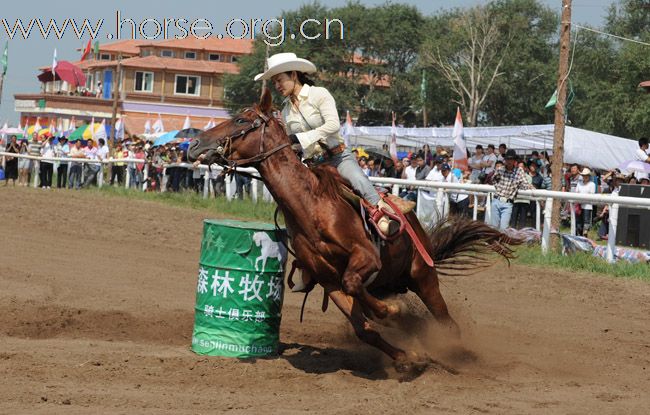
[328,234]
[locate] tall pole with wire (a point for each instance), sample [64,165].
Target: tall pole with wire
[560,113]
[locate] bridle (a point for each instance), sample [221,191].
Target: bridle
[224,151]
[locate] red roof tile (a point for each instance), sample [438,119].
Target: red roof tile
[212,44]
[172,64]
[131,47]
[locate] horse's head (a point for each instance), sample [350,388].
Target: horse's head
[246,139]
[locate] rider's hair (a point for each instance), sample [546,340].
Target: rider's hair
[303,78]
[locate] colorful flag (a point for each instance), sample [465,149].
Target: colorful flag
[100,132]
[347,129]
[147,127]
[55,63]
[96,47]
[552,101]
[86,51]
[460,147]
[92,128]
[210,124]
[392,149]
[119,129]
[5,59]
[37,126]
[52,127]
[158,126]
[73,124]
[187,124]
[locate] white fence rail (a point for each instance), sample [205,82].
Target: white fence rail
[443,190]
[614,202]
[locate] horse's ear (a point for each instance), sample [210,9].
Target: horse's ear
[266,101]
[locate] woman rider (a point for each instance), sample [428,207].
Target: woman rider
[312,121]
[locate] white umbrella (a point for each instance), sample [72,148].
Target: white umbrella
[635,165]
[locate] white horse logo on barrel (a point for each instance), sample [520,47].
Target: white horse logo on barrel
[268,248]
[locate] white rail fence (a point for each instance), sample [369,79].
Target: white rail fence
[442,193]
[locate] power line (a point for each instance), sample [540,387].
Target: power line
[611,35]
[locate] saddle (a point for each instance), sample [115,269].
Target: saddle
[400,208]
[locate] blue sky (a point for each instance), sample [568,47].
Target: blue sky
[25,56]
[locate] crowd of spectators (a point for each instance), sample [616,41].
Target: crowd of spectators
[535,173]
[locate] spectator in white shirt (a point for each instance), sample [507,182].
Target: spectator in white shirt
[642,155]
[458,203]
[91,169]
[62,150]
[476,164]
[585,186]
[47,166]
[502,152]
[489,160]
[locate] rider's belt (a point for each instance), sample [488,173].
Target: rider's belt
[326,156]
[336,150]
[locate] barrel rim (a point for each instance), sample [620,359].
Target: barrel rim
[240,224]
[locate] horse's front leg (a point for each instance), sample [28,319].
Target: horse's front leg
[361,267]
[353,311]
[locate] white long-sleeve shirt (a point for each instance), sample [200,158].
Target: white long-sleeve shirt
[316,120]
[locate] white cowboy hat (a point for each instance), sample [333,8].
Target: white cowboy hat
[285,62]
[585,172]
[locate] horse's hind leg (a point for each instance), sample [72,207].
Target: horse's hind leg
[428,289]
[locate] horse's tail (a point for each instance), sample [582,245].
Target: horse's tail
[462,245]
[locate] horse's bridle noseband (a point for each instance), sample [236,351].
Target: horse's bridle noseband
[223,152]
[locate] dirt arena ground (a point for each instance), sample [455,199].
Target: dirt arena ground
[96,315]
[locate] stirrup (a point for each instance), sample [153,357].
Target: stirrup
[375,214]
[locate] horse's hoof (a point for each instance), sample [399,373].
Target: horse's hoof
[409,369]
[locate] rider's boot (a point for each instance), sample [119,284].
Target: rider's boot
[386,225]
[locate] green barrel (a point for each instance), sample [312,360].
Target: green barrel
[240,289]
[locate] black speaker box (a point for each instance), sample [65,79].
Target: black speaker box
[634,224]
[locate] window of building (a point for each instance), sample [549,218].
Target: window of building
[146,52]
[190,55]
[214,57]
[233,59]
[105,56]
[167,53]
[143,82]
[187,85]
[89,81]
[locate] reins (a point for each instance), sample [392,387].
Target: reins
[231,166]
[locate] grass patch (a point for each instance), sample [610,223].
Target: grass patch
[584,262]
[244,209]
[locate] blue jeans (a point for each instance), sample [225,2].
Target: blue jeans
[501,212]
[75,176]
[349,169]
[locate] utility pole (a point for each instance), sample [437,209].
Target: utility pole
[116,97]
[560,115]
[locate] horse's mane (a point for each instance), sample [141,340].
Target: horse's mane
[329,181]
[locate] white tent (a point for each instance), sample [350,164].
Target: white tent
[584,147]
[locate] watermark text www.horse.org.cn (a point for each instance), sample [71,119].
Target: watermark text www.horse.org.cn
[273,31]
